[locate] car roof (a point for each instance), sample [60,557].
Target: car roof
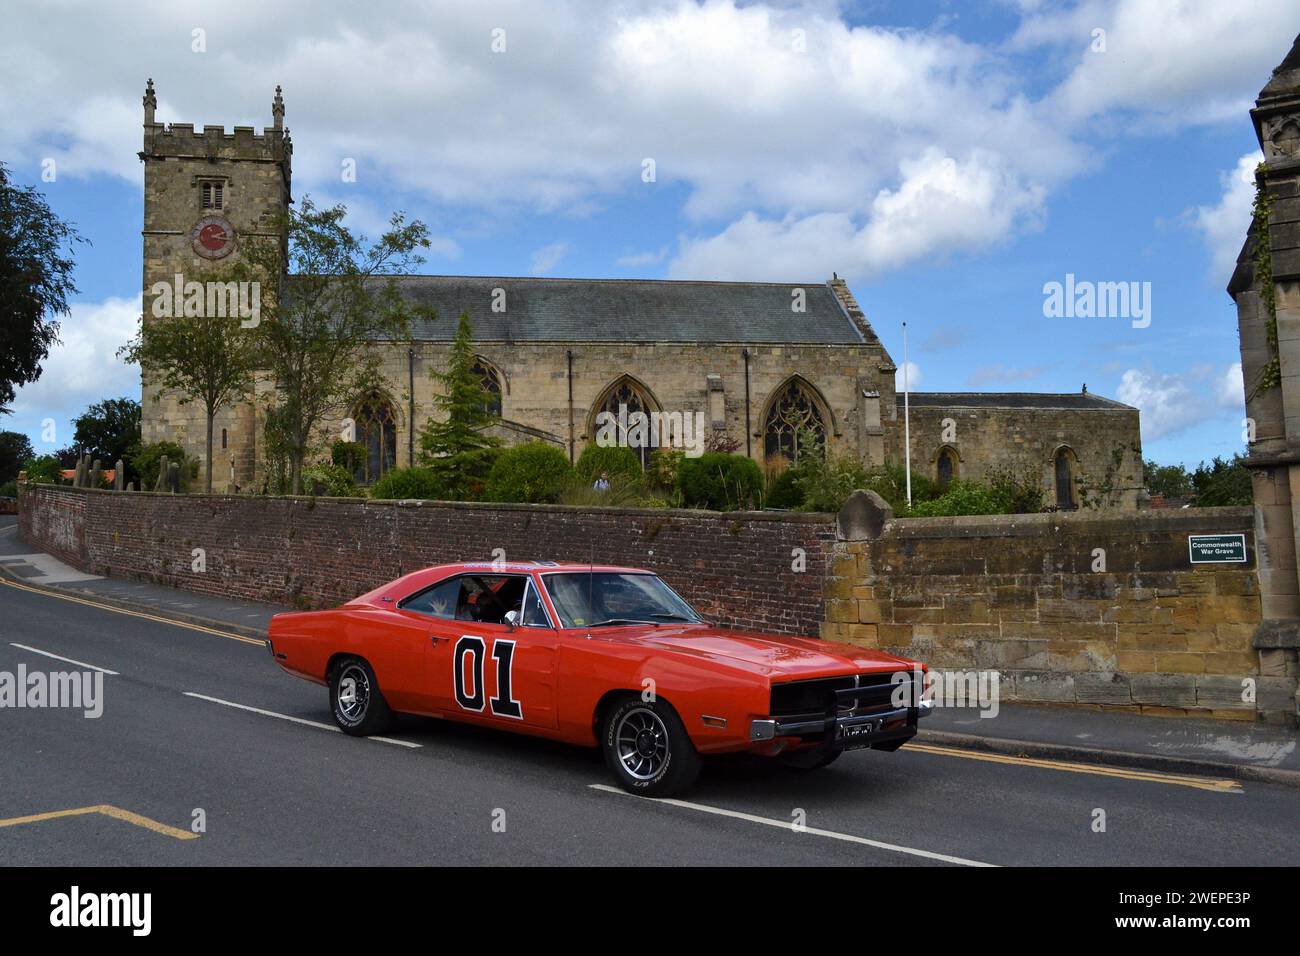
[542,567]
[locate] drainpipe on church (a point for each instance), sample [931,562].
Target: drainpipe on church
[568,357]
[410,416]
[748,431]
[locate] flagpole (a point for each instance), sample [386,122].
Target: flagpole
[907,422]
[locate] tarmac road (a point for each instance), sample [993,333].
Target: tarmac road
[276,791]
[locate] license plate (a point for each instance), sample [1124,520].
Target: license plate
[857,736]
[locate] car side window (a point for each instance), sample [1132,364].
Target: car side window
[534,615]
[441,600]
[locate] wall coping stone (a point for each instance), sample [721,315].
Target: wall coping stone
[800,517]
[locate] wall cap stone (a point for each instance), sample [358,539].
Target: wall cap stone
[795,517]
[863,517]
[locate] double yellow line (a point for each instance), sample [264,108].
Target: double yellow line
[44,592]
[1148,776]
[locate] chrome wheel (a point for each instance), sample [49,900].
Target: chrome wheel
[642,743]
[353,694]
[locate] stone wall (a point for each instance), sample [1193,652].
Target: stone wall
[1023,595]
[1105,444]
[1030,597]
[737,569]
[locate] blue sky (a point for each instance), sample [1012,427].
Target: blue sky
[948,159]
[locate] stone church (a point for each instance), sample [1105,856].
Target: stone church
[765,363]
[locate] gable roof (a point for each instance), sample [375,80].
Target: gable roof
[630,310]
[1057,400]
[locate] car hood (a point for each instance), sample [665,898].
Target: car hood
[771,654]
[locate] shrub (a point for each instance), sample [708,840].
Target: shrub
[333,481]
[532,472]
[664,464]
[9,489]
[46,470]
[349,455]
[783,490]
[145,460]
[959,498]
[400,483]
[619,461]
[1017,492]
[720,482]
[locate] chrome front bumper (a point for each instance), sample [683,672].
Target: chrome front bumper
[769,729]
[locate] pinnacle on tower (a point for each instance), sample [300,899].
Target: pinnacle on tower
[277,109]
[150,102]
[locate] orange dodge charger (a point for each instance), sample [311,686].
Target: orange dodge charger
[600,656]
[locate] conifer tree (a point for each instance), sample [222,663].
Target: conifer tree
[456,445]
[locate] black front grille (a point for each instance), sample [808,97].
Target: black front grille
[813,698]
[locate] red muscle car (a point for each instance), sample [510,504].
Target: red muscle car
[600,656]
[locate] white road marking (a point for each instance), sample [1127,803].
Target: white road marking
[786,825]
[295,720]
[68,660]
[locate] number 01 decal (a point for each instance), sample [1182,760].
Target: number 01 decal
[503,652]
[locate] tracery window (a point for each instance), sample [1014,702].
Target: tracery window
[622,401]
[491,383]
[793,420]
[376,431]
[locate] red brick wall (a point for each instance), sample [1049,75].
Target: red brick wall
[735,568]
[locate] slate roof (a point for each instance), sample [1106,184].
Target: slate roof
[630,310]
[1067,400]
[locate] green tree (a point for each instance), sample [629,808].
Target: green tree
[208,358]
[15,450]
[108,430]
[1170,481]
[338,296]
[1222,483]
[46,470]
[35,283]
[456,446]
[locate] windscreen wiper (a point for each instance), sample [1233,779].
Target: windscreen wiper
[622,620]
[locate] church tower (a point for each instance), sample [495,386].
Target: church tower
[203,193]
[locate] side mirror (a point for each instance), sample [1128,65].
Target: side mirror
[511,618]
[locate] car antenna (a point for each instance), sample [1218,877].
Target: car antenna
[591,578]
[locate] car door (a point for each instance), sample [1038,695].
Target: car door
[486,670]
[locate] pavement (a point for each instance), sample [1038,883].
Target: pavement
[208,754]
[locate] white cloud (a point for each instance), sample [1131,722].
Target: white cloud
[1166,404]
[874,148]
[1224,225]
[913,377]
[942,205]
[81,370]
[1231,392]
[855,129]
[548,257]
[1169,63]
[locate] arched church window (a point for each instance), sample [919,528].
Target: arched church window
[376,431]
[490,382]
[947,467]
[622,401]
[794,426]
[1064,468]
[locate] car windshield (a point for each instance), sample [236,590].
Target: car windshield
[585,599]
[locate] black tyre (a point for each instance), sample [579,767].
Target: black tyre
[647,748]
[812,759]
[358,707]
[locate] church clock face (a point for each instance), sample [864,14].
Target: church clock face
[213,237]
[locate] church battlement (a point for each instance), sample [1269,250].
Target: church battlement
[183,141]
